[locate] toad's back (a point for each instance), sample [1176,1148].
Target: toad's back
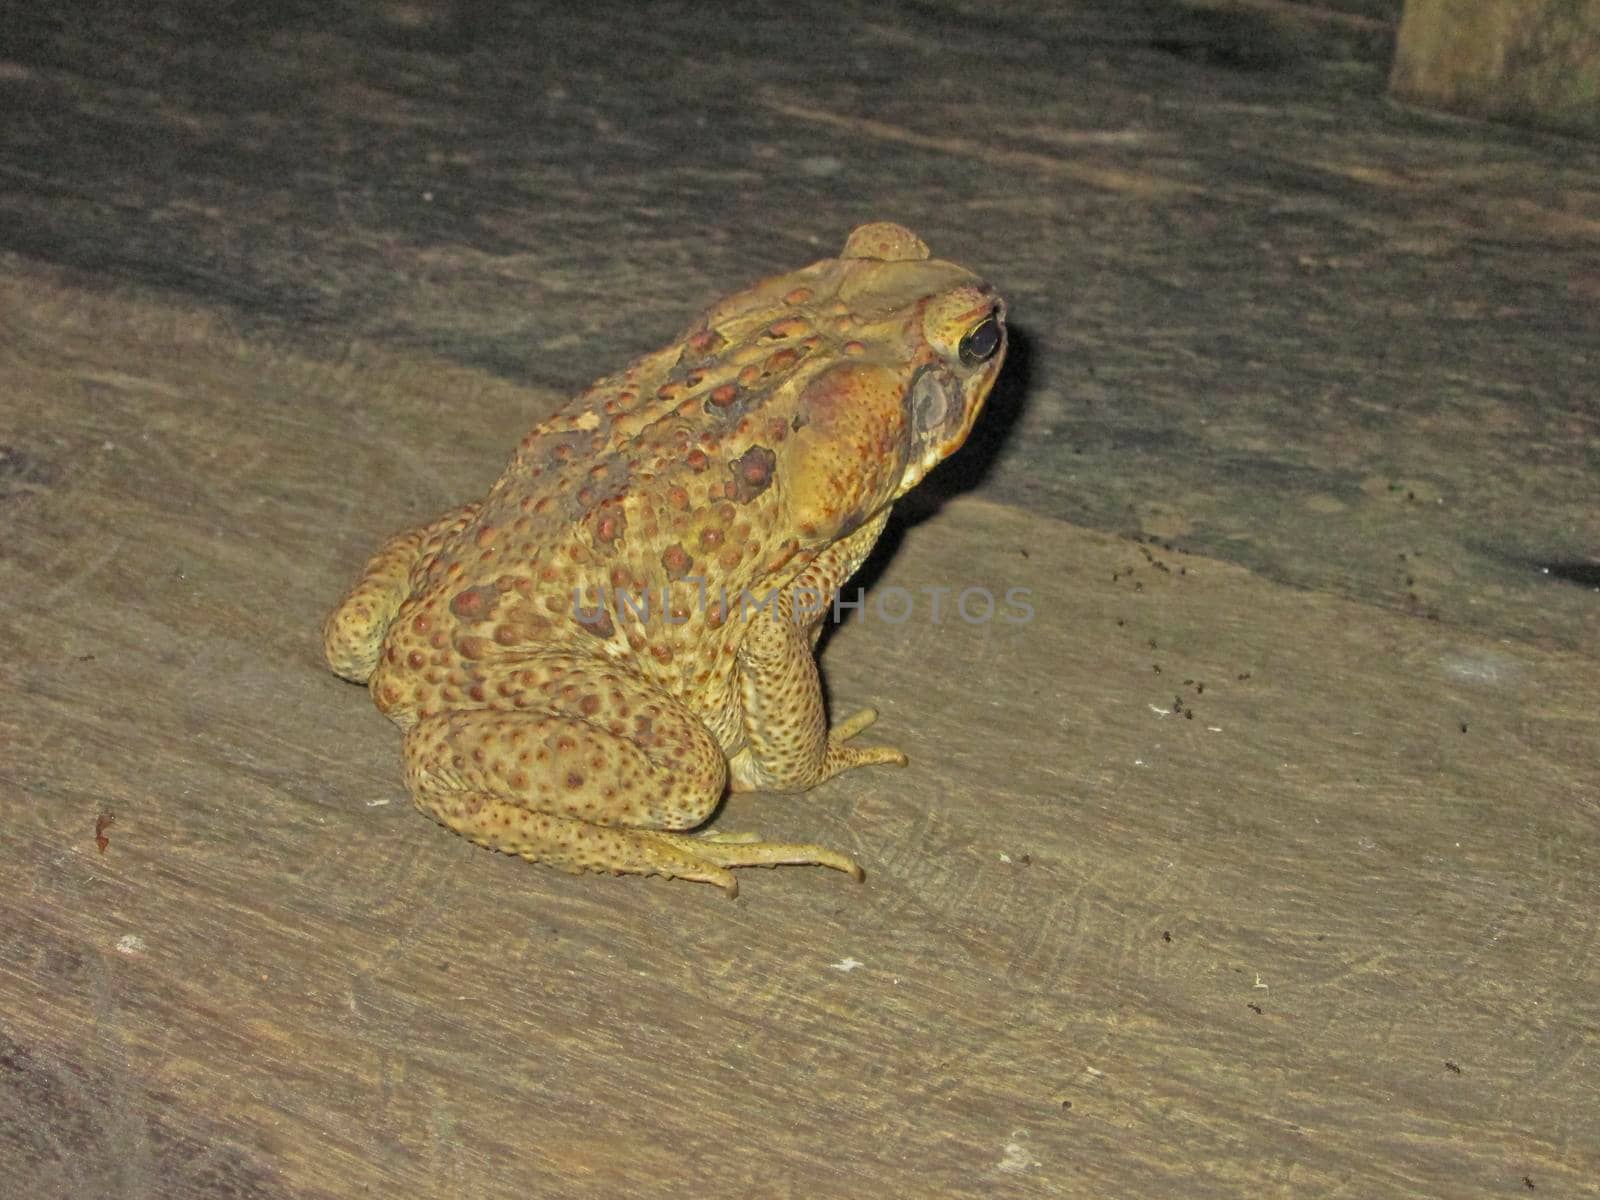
[631,522]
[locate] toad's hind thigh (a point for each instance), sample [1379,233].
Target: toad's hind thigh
[667,773]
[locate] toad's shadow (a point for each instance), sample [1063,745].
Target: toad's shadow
[964,471]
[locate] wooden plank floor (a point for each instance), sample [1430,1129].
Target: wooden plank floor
[1103,943]
[1273,876]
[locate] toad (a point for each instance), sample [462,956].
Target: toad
[585,660]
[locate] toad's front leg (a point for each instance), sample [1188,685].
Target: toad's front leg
[788,747]
[787,744]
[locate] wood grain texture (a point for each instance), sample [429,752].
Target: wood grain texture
[1104,947]
[1532,61]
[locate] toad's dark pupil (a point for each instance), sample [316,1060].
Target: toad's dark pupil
[980,345]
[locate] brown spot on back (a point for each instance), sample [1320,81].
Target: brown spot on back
[706,341]
[788,327]
[609,528]
[475,603]
[752,473]
[676,560]
[595,620]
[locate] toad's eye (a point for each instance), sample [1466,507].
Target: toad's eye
[980,344]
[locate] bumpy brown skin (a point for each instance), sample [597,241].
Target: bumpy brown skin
[569,659]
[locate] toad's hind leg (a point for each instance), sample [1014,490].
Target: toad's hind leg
[577,792]
[352,634]
[577,846]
